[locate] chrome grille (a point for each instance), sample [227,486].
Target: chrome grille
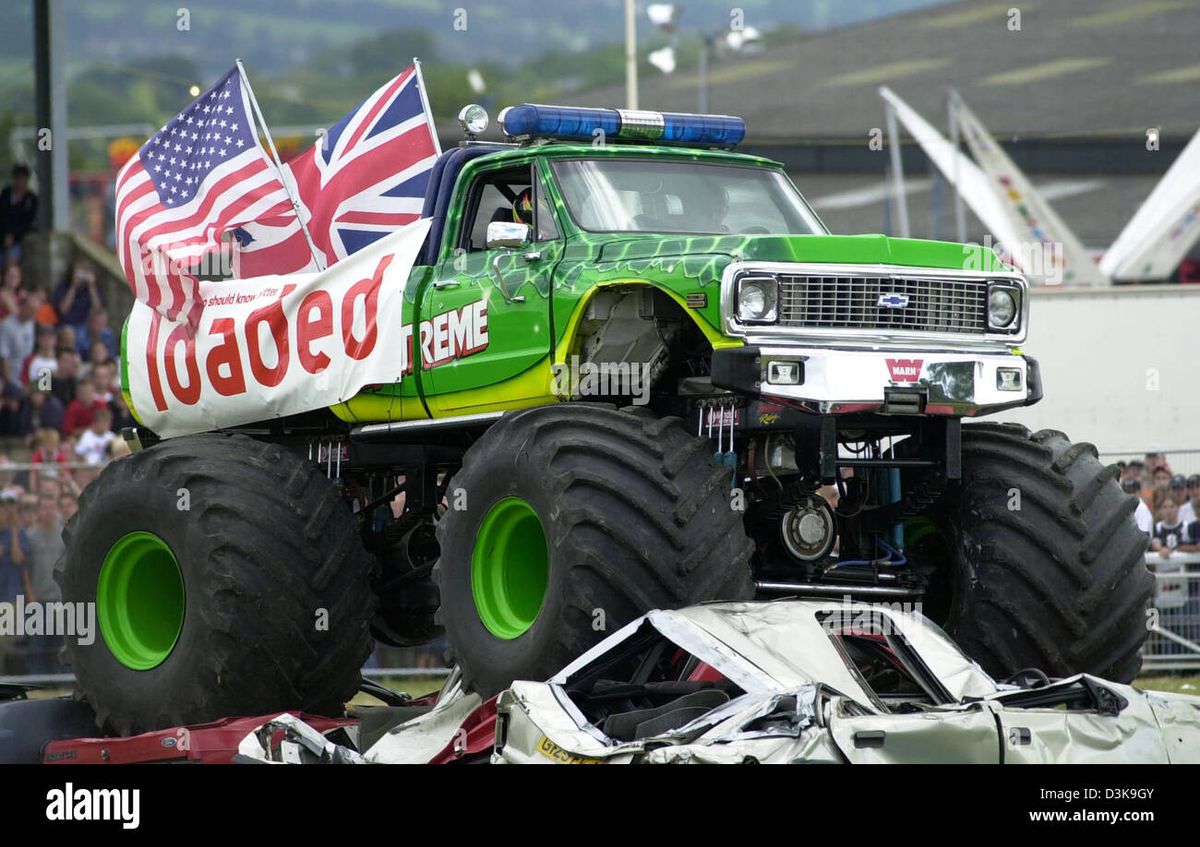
[852,302]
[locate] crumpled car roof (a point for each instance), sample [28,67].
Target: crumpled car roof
[783,645]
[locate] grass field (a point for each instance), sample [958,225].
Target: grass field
[1177,683]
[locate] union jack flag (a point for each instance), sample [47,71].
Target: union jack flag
[363,179]
[200,176]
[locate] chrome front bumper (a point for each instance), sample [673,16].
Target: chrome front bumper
[906,381]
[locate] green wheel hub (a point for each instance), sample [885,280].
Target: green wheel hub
[140,600]
[510,568]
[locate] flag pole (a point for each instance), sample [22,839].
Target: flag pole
[425,104]
[279,166]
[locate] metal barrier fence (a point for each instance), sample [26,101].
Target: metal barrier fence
[1186,462]
[1174,640]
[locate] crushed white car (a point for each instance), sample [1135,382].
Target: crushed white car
[822,681]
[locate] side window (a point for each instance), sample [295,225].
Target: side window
[545,227]
[494,197]
[883,661]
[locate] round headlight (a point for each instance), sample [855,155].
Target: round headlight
[1002,308]
[756,301]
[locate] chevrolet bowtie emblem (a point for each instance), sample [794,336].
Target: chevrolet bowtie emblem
[892,301]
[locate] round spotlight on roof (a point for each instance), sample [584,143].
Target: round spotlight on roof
[473,119]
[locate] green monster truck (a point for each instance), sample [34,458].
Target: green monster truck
[643,374]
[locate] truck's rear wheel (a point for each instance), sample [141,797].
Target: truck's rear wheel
[1043,562]
[228,579]
[571,521]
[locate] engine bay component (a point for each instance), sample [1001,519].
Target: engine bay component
[809,529]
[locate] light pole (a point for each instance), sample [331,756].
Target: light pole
[631,80]
[665,17]
[708,40]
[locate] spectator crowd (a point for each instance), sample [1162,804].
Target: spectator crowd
[60,409]
[1168,506]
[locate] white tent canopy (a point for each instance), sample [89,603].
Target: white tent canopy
[1164,228]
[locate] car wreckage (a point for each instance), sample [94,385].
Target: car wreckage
[790,681]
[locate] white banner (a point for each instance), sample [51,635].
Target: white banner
[275,345]
[1050,253]
[960,171]
[1164,228]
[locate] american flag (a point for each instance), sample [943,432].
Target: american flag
[363,179]
[200,176]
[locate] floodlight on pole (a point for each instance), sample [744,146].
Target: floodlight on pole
[663,59]
[663,15]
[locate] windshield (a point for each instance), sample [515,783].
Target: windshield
[656,195]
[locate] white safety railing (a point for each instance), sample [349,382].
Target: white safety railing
[1174,623]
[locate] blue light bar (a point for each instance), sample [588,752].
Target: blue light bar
[578,124]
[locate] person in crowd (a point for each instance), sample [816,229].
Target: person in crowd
[1178,490]
[104,376]
[14,578]
[11,398]
[27,517]
[1170,534]
[10,290]
[77,296]
[97,357]
[52,486]
[40,365]
[82,410]
[45,548]
[18,214]
[39,409]
[49,452]
[68,505]
[45,317]
[17,333]
[1137,469]
[1142,514]
[67,339]
[1160,477]
[1187,511]
[1157,498]
[96,329]
[66,375]
[94,441]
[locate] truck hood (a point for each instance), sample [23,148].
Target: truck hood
[831,249]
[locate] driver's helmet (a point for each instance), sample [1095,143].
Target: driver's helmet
[523,207]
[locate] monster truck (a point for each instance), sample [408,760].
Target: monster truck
[643,375]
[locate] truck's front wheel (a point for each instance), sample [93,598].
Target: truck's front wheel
[1041,562]
[568,521]
[227,578]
